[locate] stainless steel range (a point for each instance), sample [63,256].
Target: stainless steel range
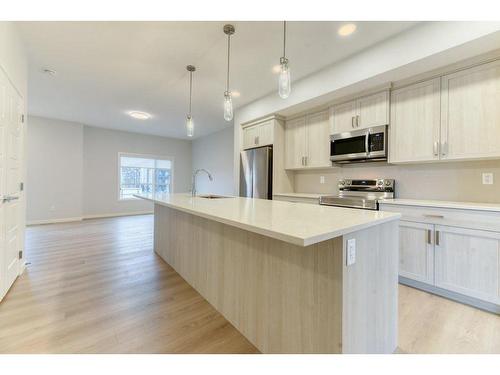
[360,193]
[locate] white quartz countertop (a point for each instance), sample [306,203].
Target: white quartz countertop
[444,204]
[301,225]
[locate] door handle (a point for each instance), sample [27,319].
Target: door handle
[438,240]
[429,237]
[9,198]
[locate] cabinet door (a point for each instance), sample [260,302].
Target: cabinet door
[318,140]
[265,133]
[416,251]
[342,117]
[470,117]
[372,110]
[467,262]
[295,143]
[415,122]
[249,137]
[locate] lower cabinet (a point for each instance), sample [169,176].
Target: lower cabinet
[416,251]
[467,262]
[458,262]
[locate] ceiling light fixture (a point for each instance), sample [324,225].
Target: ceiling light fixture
[347,29]
[189,118]
[139,115]
[50,72]
[228,102]
[284,81]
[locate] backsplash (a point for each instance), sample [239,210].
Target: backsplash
[454,181]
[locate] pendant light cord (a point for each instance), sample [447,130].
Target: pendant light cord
[284,38]
[190,90]
[228,55]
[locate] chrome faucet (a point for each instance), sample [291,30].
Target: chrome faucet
[193,186]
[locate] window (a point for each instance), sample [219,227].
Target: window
[142,174]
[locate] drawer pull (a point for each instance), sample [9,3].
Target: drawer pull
[434,216]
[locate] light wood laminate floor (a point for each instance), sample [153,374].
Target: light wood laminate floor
[97,287]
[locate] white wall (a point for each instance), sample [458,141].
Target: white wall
[215,153]
[54,170]
[73,168]
[100,167]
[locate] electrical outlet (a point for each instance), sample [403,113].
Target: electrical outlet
[321,179]
[351,252]
[487,178]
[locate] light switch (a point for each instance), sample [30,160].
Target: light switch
[321,179]
[487,178]
[351,251]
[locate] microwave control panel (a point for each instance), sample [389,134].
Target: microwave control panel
[376,142]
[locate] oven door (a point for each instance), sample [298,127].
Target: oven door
[349,146]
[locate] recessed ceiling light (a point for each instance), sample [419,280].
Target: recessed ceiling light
[277,69]
[347,29]
[235,94]
[139,115]
[50,72]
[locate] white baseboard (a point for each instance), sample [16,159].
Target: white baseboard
[54,221]
[101,216]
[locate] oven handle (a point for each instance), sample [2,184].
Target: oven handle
[367,142]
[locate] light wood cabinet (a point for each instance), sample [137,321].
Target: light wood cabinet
[307,141]
[364,112]
[415,122]
[416,251]
[467,262]
[257,135]
[470,116]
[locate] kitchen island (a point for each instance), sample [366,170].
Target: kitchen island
[281,273]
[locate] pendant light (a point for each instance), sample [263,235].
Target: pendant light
[228,102]
[284,82]
[189,118]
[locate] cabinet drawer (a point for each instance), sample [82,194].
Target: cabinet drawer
[472,219]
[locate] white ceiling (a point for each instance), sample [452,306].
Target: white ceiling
[105,69]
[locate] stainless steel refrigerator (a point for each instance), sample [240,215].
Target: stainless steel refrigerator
[256,173]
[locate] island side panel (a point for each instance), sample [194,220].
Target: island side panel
[284,298]
[370,303]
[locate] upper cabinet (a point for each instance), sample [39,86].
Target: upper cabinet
[307,142]
[470,113]
[258,134]
[364,112]
[455,117]
[415,122]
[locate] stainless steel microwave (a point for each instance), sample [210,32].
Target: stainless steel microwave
[362,145]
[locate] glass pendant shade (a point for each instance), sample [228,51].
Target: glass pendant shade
[189,126]
[228,106]
[284,82]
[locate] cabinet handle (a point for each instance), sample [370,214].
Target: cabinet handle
[436,148]
[305,160]
[352,121]
[444,148]
[257,140]
[438,242]
[357,121]
[434,216]
[302,161]
[429,237]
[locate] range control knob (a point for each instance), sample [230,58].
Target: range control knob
[387,183]
[380,182]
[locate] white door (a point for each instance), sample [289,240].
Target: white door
[470,116]
[265,133]
[372,110]
[468,261]
[11,145]
[318,140]
[415,122]
[416,251]
[295,143]
[343,117]
[249,137]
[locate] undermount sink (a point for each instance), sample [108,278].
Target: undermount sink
[211,196]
